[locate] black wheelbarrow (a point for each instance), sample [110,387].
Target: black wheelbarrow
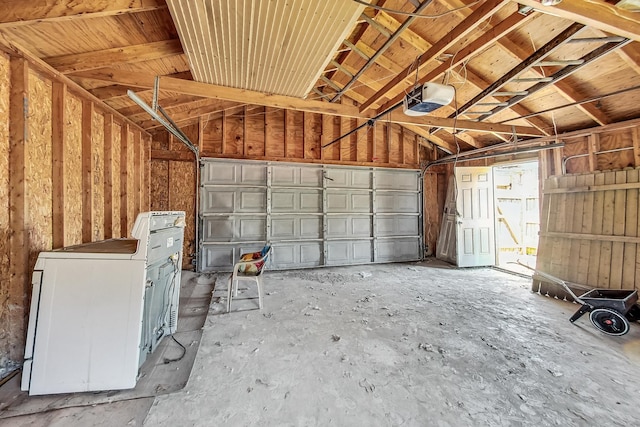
[609,309]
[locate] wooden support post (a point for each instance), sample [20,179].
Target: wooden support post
[593,145]
[108,176]
[245,140]
[635,135]
[57,157]
[305,130]
[557,161]
[124,175]
[137,173]
[87,172]
[403,160]
[18,285]
[224,132]
[287,132]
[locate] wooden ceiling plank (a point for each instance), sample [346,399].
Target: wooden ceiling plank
[17,13]
[594,13]
[205,90]
[109,57]
[475,19]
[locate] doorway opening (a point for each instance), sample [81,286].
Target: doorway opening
[517,214]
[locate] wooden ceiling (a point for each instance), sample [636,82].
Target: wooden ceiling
[518,67]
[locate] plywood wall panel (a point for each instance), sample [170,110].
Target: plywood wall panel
[295,132]
[255,132]
[159,185]
[212,135]
[115,180]
[72,175]
[618,159]
[274,132]
[5,322]
[396,144]
[382,143]
[97,188]
[234,134]
[312,135]
[38,160]
[181,198]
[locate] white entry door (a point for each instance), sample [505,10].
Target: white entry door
[474,216]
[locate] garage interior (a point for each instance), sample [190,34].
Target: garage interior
[285,122]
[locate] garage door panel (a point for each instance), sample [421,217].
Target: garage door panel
[348,178]
[339,201]
[296,227]
[396,180]
[232,173]
[297,255]
[397,202]
[233,228]
[222,257]
[292,201]
[397,225]
[252,201]
[224,200]
[296,176]
[348,226]
[218,201]
[346,252]
[395,250]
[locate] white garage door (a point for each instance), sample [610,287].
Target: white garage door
[312,215]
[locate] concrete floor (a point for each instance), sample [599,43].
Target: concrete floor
[397,344]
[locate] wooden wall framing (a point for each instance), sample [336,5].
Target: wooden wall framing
[63,163]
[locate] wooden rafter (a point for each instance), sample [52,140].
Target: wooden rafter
[594,13]
[502,28]
[16,13]
[111,57]
[566,88]
[566,71]
[397,33]
[534,58]
[141,80]
[475,19]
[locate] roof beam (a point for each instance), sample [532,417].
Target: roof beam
[387,44]
[475,19]
[498,31]
[109,57]
[15,13]
[205,90]
[565,88]
[535,57]
[594,13]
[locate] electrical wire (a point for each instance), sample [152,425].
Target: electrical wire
[179,358]
[415,15]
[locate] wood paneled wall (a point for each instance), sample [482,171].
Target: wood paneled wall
[71,171]
[265,133]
